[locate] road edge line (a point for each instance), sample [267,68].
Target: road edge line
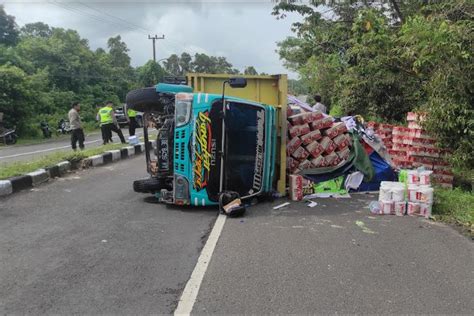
[190,292]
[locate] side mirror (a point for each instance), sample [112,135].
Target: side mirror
[237,82]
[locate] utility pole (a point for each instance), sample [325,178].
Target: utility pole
[154,38]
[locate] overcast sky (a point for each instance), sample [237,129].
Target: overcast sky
[244,32]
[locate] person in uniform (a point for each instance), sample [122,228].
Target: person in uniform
[108,123]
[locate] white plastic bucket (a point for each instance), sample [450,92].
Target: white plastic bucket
[398,193]
[425,210]
[387,207]
[412,192]
[400,208]
[425,194]
[412,177]
[413,208]
[385,192]
[424,177]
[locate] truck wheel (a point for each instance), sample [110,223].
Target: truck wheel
[150,185]
[144,100]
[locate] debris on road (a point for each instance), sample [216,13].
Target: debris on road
[364,228]
[281,205]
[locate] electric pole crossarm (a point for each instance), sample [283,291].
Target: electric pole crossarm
[154,38]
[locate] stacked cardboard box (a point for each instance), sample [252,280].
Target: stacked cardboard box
[412,147]
[384,132]
[315,141]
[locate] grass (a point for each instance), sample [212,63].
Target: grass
[455,206]
[20,168]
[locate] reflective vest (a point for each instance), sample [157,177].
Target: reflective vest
[131,113]
[105,115]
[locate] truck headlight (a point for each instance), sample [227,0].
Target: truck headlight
[182,108]
[181,190]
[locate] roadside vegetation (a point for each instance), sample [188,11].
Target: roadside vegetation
[381,59]
[23,167]
[43,69]
[456,207]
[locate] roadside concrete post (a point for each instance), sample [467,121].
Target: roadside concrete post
[5,187]
[39,176]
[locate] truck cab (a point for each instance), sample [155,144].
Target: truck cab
[209,143]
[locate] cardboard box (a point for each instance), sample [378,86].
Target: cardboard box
[318,162]
[304,129]
[296,187]
[310,137]
[330,159]
[294,131]
[343,154]
[321,123]
[296,119]
[305,164]
[327,144]
[292,145]
[291,163]
[315,149]
[300,153]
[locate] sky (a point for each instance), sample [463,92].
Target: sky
[244,31]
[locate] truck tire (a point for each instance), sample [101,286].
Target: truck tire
[144,100]
[150,185]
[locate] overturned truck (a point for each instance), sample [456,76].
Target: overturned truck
[216,134]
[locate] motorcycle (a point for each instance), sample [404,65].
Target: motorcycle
[8,136]
[45,129]
[63,127]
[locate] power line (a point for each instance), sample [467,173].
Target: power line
[115,17]
[86,14]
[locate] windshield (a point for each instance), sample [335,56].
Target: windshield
[244,148]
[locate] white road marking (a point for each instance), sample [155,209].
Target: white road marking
[46,150]
[56,148]
[188,298]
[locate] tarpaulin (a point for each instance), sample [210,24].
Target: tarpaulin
[383,172]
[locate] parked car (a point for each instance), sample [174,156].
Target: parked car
[122,118]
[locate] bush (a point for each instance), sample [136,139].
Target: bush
[454,206]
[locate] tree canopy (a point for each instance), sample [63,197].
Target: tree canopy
[382,59]
[180,65]
[43,69]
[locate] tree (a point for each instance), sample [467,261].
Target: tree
[437,48]
[250,70]
[384,58]
[118,51]
[8,28]
[185,63]
[150,74]
[172,65]
[38,29]
[16,95]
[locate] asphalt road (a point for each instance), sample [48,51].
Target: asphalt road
[337,259]
[88,244]
[14,153]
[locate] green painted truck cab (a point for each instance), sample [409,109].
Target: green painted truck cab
[221,148]
[211,142]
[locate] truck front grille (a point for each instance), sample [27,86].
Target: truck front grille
[180,150]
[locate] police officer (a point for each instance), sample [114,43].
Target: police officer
[108,123]
[132,121]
